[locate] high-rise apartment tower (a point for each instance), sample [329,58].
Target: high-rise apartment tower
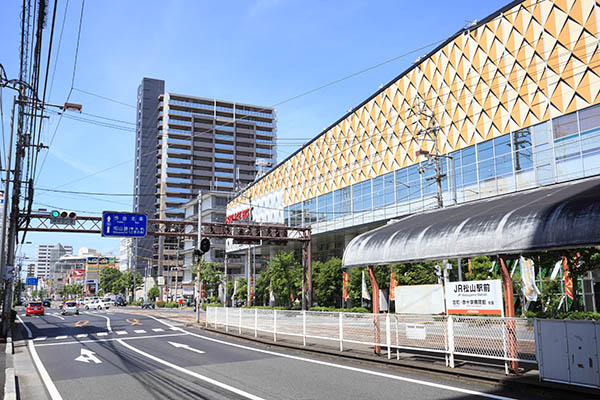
[186,144]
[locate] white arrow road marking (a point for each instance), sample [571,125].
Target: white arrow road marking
[87,356]
[185,346]
[54,394]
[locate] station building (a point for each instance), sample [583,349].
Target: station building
[510,104]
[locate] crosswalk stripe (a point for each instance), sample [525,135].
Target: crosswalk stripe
[174,328]
[140,331]
[82,335]
[121,332]
[158,330]
[41,338]
[102,333]
[61,337]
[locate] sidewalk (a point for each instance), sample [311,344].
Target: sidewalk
[465,367]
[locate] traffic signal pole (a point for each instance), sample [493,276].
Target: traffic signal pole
[198,300]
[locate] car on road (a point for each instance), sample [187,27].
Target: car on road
[34,308]
[47,303]
[96,305]
[70,307]
[108,301]
[120,302]
[147,305]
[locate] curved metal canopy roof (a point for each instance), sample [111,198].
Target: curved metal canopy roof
[560,216]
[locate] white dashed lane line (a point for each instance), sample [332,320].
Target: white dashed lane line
[97,334]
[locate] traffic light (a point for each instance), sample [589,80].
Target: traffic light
[204,248]
[204,245]
[63,217]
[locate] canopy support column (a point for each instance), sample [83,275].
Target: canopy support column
[375,296]
[509,306]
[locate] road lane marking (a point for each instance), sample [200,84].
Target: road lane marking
[196,375]
[54,394]
[185,346]
[41,338]
[56,315]
[82,335]
[108,328]
[158,330]
[133,321]
[81,322]
[121,332]
[102,334]
[61,337]
[111,339]
[140,331]
[87,356]
[345,367]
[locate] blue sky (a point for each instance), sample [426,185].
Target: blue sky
[260,52]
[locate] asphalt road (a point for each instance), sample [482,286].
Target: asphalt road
[117,355]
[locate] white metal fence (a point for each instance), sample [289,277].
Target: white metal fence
[508,339]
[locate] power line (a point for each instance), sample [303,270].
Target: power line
[104,97]
[70,91]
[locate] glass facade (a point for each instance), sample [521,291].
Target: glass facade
[563,149]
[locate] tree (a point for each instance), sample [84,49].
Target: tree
[481,268]
[153,293]
[418,273]
[242,289]
[211,275]
[327,281]
[108,277]
[285,276]
[126,282]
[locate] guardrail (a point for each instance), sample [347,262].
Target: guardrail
[507,339]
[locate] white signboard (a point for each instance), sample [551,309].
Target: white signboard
[416,331]
[475,297]
[161,281]
[420,299]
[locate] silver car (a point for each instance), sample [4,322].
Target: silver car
[70,307]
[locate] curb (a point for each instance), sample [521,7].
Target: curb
[10,383]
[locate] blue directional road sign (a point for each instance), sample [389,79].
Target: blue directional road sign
[121,224]
[31,281]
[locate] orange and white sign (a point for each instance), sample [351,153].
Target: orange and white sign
[475,297]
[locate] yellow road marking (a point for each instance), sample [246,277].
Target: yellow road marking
[81,323]
[133,321]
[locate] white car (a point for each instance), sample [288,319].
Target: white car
[70,307]
[96,305]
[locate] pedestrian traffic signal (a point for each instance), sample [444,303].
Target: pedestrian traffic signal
[63,217]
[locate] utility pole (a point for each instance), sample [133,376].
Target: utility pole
[430,132]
